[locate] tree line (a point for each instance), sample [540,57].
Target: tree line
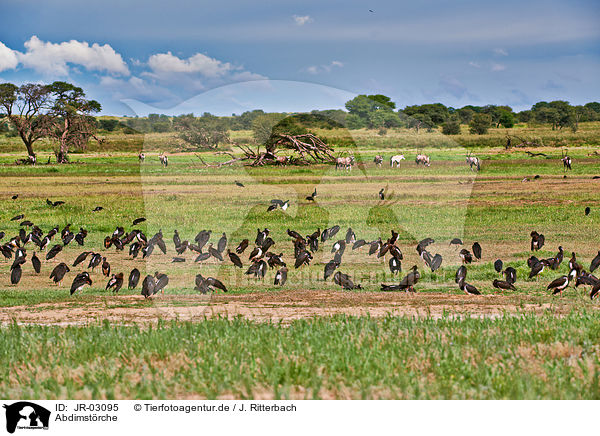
[61,112]
[377,112]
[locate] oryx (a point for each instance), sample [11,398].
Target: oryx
[164,160]
[396,160]
[423,159]
[344,163]
[473,161]
[566,160]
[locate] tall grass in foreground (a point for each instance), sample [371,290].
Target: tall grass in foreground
[512,357]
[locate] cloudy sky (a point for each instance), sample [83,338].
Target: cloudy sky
[229,56]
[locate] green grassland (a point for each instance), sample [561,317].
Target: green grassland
[529,357]
[552,353]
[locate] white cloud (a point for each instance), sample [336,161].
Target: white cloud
[498,67]
[317,69]
[474,64]
[168,63]
[54,59]
[245,76]
[302,20]
[133,82]
[8,58]
[500,52]
[135,87]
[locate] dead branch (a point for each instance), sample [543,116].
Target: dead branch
[306,145]
[220,164]
[524,142]
[535,154]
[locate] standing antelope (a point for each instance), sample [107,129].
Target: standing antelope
[378,160]
[566,160]
[344,162]
[473,161]
[164,160]
[423,159]
[141,157]
[396,160]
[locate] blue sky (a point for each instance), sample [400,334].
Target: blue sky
[196,56]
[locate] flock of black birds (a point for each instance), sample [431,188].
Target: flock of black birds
[262,257]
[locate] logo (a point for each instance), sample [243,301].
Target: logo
[26,415]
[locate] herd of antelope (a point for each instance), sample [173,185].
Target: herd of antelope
[346,163]
[420,159]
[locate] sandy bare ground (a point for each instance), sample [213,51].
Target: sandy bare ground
[284,307]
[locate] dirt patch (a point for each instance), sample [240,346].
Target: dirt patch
[284,306]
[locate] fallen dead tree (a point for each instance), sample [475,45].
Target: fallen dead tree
[306,149]
[511,141]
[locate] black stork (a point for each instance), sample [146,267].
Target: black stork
[503,285]
[281,276]
[80,281]
[15,274]
[537,240]
[345,281]
[148,286]
[498,264]
[54,251]
[235,259]
[560,284]
[456,242]
[161,281]
[222,243]
[35,261]
[242,246]
[461,274]
[468,288]
[330,268]
[465,256]
[395,265]
[510,275]
[59,272]
[214,253]
[208,284]
[407,283]
[115,283]
[134,278]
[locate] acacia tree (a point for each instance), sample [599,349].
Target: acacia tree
[206,132]
[263,127]
[480,124]
[26,109]
[362,107]
[71,116]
